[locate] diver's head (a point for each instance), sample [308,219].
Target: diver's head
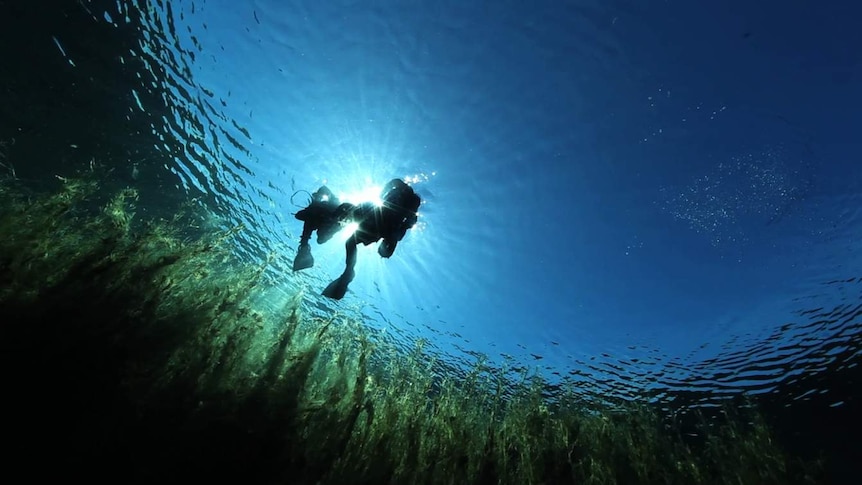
[323,194]
[392,189]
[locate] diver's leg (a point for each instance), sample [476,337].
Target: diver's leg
[338,287]
[350,263]
[307,229]
[303,258]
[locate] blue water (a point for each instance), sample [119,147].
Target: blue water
[631,195]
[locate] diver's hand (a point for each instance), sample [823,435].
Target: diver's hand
[386,248]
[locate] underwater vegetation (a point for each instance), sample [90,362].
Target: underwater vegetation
[139,351]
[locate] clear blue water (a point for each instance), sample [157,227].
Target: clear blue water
[632,196]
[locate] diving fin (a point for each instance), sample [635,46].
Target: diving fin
[337,289]
[303,259]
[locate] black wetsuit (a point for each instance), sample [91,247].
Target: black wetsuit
[320,216]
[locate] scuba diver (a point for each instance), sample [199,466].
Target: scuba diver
[320,216]
[388,221]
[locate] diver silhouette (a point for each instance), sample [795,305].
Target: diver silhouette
[388,221]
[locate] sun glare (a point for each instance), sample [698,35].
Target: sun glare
[368,194]
[350,228]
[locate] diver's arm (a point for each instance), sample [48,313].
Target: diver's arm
[390,241]
[412,216]
[387,248]
[407,222]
